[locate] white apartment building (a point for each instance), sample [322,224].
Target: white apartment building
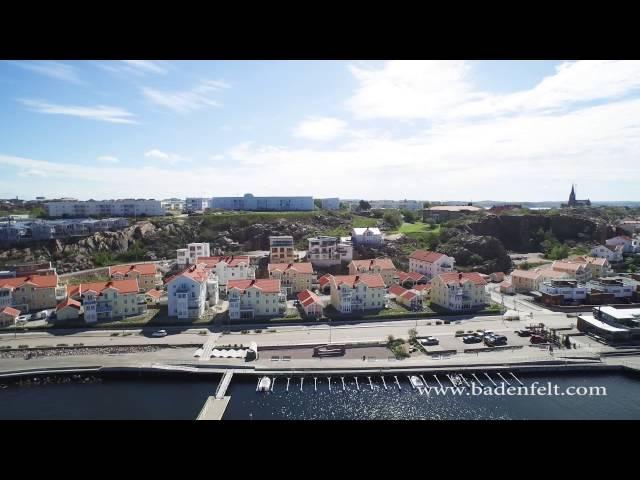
[175,204]
[430,264]
[330,203]
[570,289]
[618,286]
[105,208]
[227,268]
[369,236]
[612,254]
[191,292]
[281,249]
[326,251]
[255,298]
[193,204]
[357,293]
[459,291]
[189,255]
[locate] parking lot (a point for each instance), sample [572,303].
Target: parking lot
[450,342]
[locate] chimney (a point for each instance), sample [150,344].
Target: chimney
[459,275]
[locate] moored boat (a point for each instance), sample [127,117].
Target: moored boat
[416,382]
[265,384]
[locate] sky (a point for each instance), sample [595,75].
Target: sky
[425,130]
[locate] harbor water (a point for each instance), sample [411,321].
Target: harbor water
[182,397]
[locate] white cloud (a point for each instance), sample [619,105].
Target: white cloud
[165,157]
[320,128]
[188,100]
[441,90]
[108,159]
[52,69]
[216,157]
[102,113]
[138,68]
[32,172]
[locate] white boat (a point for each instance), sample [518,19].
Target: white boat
[265,384]
[416,382]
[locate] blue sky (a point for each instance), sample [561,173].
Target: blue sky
[431,130]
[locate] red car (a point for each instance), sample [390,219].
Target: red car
[537,339]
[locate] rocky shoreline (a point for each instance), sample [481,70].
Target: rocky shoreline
[72,351]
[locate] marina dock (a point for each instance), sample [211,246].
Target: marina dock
[214,408]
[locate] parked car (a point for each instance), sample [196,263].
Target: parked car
[159,333]
[535,339]
[430,341]
[488,333]
[495,340]
[523,333]
[471,339]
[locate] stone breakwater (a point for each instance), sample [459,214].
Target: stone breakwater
[50,379]
[65,352]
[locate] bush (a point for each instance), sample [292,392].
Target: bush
[258,331]
[78,344]
[23,346]
[62,345]
[458,332]
[438,322]
[115,334]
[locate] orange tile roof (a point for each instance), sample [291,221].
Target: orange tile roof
[199,273]
[123,287]
[302,267]
[153,293]
[232,261]
[383,263]
[141,268]
[39,281]
[10,311]
[307,297]
[397,289]
[404,276]
[530,274]
[323,280]
[266,285]
[69,302]
[567,266]
[426,256]
[596,261]
[409,295]
[461,277]
[370,280]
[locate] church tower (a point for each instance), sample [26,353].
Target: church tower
[572,197]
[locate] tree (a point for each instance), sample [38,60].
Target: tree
[393,218]
[364,205]
[409,216]
[318,203]
[344,206]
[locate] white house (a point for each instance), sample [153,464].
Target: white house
[623,241]
[369,236]
[430,264]
[612,254]
[569,289]
[232,267]
[189,255]
[191,292]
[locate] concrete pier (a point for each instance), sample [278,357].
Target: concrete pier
[214,408]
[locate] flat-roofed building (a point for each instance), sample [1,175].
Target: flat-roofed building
[189,255]
[105,208]
[327,251]
[281,249]
[443,213]
[263,204]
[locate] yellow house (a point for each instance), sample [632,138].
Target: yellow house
[8,316]
[458,291]
[381,266]
[146,273]
[34,292]
[255,298]
[111,300]
[294,277]
[357,293]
